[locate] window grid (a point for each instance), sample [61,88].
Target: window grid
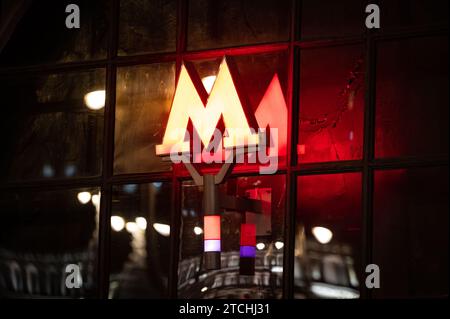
[367,165]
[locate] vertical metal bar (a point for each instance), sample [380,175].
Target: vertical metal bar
[368,155]
[176,185]
[182,8]
[175,224]
[289,218]
[108,155]
[209,195]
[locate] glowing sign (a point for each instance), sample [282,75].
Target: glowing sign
[223,101]
[191,102]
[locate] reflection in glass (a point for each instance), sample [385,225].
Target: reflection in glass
[252,215]
[331,104]
[410,232]
[225,23]
[412,102]
[143,100]
[140,235]
[38,33]
[43,232]
[327,240]
[48,130]
[147,26]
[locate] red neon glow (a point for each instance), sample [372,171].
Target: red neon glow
[211,225]
[223,101]
[248,235]
[301,149]
[272,112]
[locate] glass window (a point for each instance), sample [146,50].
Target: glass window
[331,104]
[52,126]
[410,232]
[225,23]
[402,15]
[328,236]
[251,235]
[332,19]
[147,26]
[140,240]
[42,233]
[412,97]
[143,99]
[39,34]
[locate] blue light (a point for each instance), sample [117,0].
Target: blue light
[70,170]
[212,245]
[48,171]
[248,251]
[129,188]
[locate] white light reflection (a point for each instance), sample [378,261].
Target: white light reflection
[162,229]
[84,197]
[279,244]
[277,269]
[131,227]
[198,230]
[260,246]
[141,222]
[208,82]
[117,223]
[322,234]
[329,291]
[95,100]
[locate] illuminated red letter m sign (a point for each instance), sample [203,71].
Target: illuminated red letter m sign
[223,101]
[192,103]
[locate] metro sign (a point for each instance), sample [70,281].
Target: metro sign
[242,129]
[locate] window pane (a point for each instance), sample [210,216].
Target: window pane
[331,18]
[328,236]
[401,15]
[331,104]
[41,29]
[143,99]
[411,232]
[140,235]
[147,26]
[45,232]
[256,201]
[412,97]
[221,23]
[52,128]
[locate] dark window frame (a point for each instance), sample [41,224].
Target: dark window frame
[366,165]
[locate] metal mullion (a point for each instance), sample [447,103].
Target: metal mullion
[141,178]
[108,155]
[368,155]
[53,68]
[235,51]
[292,98]
[337,170]
[324,43]
[182,7]
[408,162]
[327,166]
[52,184]
[151,58]
[412,33]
